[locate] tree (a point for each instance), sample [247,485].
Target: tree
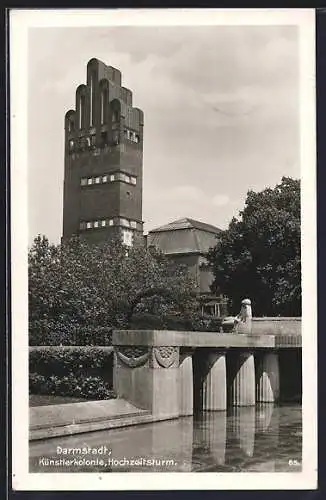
[76,283]
[259,256]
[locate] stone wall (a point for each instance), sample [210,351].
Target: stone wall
[276,326]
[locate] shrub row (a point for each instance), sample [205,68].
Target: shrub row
[169,322]
[44,332]
[80,387]
[85,372]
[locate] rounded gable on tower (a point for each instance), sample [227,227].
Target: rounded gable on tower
[70,118]
[126,96]
[93,62]
[113,74]
[82,106]
[140,115]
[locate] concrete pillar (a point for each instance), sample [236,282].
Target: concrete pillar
[148,377]
[186,389]
[268,379]
[214,384]
[243,384]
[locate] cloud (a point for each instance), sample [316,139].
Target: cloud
[183,195]
[220,200]
[220,104]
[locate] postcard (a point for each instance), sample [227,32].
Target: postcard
[163,245]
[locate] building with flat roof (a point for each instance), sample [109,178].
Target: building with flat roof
[187,241]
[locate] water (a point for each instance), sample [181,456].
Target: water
[262,438]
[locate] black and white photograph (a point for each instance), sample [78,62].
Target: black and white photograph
[163,236]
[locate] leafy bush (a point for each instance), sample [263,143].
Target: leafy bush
[84,372]
[76,283]
[146,321]
[45,332]
[213,324]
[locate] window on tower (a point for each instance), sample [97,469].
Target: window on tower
[100,223]
[124,222]
[117,176]
[131,135]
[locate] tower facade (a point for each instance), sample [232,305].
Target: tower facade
[103,176]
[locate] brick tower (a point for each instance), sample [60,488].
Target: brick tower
[103,160]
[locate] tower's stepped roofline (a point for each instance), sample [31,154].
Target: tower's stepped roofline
[103,159]
[104,71]
[99,96]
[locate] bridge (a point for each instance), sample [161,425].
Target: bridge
[172,374]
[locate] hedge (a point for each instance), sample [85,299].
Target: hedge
[52,333]
[84,372]
[45,333]
[169,322]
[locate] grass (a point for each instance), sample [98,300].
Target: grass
[41,400]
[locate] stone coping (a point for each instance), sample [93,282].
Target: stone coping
[277,318]
[144,417]
[44,416]
[76,418]
[190,339]
[71,347]
[276,326]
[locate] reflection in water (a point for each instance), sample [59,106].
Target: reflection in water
[263,416]
[243,428]
[210,436]
[258,438]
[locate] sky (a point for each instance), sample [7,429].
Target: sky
[221,110]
